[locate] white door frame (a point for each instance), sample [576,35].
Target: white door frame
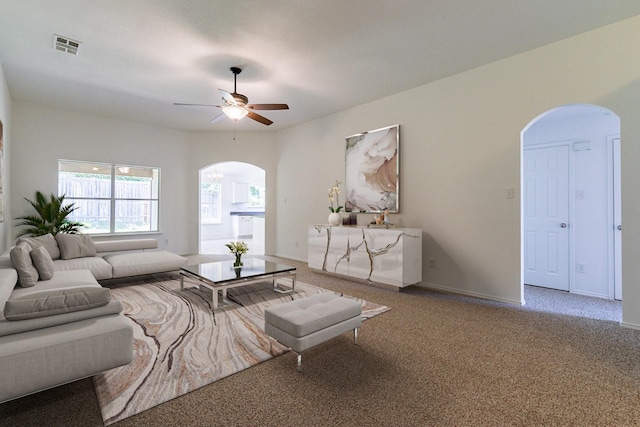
[614,219]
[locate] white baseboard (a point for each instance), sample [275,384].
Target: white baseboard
[630,325]
[291,257]
[467,293]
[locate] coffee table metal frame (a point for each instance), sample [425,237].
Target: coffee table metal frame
[233,283]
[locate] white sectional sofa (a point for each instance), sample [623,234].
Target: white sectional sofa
[67,327]
[111,259]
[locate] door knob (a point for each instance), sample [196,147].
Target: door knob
[563,225]
[619,227]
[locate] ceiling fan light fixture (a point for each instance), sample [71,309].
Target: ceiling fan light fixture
[235,112]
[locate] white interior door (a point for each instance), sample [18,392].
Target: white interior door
[546,217]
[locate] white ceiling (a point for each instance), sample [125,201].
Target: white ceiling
[139,57]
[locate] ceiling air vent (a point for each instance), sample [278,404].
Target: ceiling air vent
[65,44]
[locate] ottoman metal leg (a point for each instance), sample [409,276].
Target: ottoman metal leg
[355,336]
[299,364]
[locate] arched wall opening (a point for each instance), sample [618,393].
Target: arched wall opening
[232,201]
[570,204]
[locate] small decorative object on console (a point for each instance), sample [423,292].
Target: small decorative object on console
[237,248]
[334,216]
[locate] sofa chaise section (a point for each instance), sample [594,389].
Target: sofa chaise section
[57,331]
[48,357]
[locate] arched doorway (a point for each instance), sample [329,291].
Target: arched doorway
[571,201]
[232,207]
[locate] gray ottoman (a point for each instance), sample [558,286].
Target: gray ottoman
[306,322]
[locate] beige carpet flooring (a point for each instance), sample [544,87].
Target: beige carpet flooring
[181,345]
[430,361]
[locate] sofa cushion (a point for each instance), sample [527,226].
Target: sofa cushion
[61,280]
[137,263]
[103,246]
[8,280]
[43,262]
[48,241]
[313,313]
[75,245]
[21,260]
[97,265]
[12,327]
[5,259]
[52,302]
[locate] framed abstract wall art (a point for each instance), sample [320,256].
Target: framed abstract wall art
[372,170]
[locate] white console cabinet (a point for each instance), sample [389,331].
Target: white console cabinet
[392,256]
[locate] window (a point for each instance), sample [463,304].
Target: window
[111,198]
[210,206]
[256,196]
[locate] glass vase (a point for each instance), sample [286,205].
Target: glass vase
[238,261]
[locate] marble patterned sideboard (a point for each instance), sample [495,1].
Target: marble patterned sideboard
[391,256]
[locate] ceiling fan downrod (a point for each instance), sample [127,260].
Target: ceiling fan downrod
[235,71]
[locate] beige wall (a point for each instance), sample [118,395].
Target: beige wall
[5,116]
[257,148]
[43,135]
[460,151]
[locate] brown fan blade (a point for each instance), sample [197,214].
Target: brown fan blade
[259,118]
[228,97]
[218,118]
[267,106]
[196,105]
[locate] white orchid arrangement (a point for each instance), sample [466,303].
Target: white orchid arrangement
[237,247]
[333,196]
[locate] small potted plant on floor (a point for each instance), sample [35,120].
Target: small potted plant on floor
[52,217]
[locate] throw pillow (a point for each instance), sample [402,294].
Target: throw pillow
[75,245]
[43,262]
[21,260]
[56,301]
[48,241]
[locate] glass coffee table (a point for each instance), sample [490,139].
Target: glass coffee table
[222,275]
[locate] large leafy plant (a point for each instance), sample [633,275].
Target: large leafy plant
[51,218]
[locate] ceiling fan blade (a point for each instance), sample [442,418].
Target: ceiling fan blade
[218,118]
[259,118]
[228,97]
[267,106]
[195,105]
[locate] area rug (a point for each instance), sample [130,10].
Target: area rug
[180,345]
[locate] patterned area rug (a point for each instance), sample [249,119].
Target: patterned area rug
[180,345]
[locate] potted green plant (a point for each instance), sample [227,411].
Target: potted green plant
[51,217]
